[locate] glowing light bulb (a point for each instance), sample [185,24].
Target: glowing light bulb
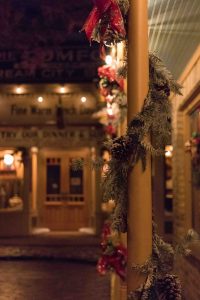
[8,159]
[168,151]
[40,99]
[108,60]
[62,89]
[83,99]
[19,90]
[168,154]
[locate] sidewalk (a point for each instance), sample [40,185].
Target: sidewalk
[59,245]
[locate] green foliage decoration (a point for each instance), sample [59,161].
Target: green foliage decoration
[161,283]
[153,122]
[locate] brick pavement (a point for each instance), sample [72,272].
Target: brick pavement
[51,280]
[51,267]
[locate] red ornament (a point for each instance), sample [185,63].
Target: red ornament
[108,72]
[106,231]
[110,130]
[104,92]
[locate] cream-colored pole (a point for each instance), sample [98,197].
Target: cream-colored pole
[34,152]
[140,204]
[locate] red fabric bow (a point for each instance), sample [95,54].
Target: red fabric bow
[115,262]
[114,18]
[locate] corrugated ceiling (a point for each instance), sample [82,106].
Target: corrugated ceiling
[174,31]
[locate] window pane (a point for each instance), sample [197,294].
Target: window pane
[53,179]
[168,227]
[76,180]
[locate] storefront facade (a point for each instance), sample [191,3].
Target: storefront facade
[186,171]
[43,133]
[47,97]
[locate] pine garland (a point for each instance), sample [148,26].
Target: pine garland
[161,284]
[153,120]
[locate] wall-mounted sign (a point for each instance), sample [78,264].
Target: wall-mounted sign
[21,137]
[40,41]
[26,110]
[47,65]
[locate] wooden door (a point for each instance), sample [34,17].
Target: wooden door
[66,192]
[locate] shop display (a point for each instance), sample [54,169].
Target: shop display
[11,174]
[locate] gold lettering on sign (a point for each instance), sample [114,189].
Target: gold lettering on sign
[35,110]
[29,134]
[64,56]
[18,110]
[8,134]
[7,56]
[82,55]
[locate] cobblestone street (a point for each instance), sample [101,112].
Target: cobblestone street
[51,280]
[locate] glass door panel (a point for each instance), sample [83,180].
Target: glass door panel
[65,206]
[76,179]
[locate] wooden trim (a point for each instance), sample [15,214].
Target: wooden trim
[190,65]
[56,203]
[10,210]
[194,260]
[189,98]
[192,106]
[53,203]
[191,102]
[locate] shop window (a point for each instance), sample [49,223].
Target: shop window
[168,204]
[168,196]
[195,167]
[64,182]
[53,179]
[11,178]
[168,227]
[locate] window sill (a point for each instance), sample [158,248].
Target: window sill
[10,209]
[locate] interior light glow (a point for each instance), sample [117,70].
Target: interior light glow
[168,150]
[8,159]
[40,99]
[62,89]
[83,99]
[108,60]
[168,154]
[19,90]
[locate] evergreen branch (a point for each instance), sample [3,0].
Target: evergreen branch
[153,151]
[153,120]
[183,248]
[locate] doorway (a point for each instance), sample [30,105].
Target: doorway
[65,190]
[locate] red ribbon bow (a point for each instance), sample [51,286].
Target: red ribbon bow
[116,261]
[114,17]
